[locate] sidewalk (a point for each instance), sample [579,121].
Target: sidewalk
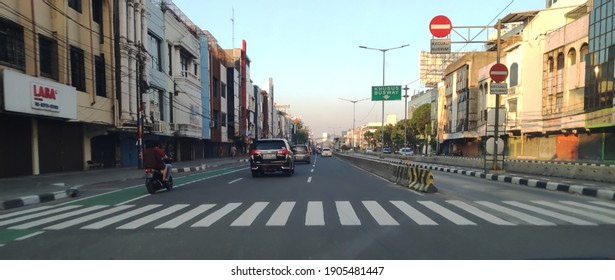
[33,189]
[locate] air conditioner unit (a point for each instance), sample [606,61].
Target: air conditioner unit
[156,115]
[212,124]
[156,127]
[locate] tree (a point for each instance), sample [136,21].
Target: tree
[369,137]
[421,118]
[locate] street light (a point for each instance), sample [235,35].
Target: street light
[405,114]
[354,102]
[383,60]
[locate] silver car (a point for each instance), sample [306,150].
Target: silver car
[326,152]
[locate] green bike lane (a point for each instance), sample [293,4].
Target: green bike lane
[115,197]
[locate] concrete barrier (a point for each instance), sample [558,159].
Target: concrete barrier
[421,180]
[406,175]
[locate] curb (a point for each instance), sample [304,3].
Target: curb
[35,199]
[46,197]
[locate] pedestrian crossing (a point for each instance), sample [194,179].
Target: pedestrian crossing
[319,214]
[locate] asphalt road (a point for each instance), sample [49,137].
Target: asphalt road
[327,210]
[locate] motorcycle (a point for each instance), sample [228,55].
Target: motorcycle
[154,182]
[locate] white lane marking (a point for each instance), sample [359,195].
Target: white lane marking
[280,216]
[235,181]
[248,217]
[519,215]
[448,214]
[309,180]
[480,213]
[414,214]
[380,215]
[152,217]
[32,216]
[215,216]
[604,203]
[41,208]
[347,215]
[88,217]
[315,215]
[131,200]
[186,216]
[57,217]
[590,207]
[312,171]
[28,236]
[591,215]
[118,218]
[546,212]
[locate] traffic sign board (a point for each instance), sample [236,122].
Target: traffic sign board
[440,46]
[385,93]
[498,88]
[498,72]
[440,26]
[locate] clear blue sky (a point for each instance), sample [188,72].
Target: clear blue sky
[311,48]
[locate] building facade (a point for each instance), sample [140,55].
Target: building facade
[57,93]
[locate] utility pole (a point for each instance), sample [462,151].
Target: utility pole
[383,84]
[354,102]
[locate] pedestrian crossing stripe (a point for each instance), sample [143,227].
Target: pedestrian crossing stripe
[346,213]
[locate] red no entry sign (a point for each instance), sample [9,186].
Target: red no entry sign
[440,26]
[498,72]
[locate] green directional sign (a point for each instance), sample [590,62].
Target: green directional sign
[385,93]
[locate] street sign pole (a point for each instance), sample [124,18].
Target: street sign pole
[497,106]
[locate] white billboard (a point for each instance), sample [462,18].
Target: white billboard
[31,95]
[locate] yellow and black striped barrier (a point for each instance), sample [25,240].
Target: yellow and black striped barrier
[421,180]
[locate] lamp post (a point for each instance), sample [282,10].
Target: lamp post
[405,114]
[354,102]
[383,84]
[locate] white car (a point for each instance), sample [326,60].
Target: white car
[326,152]
[406,151]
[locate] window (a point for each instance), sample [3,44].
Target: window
[97,17]
[75,4]
[560,61]
[170,59]
[551,64]
[583,52]
[101,77]
[223,119]
[559,102]
[97,11]
[48,49]
[215,86]
[12,49]
[161,103]
[572,57]
[512,105]
[154,51]
[223,90]
[184,61]
[514,74]
[216,119]
[77,67]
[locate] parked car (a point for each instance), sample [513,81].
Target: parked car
[271,155]
[326,152]
[386,150]
[302,153]
[406,151]
[369,150]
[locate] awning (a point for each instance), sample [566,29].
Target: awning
[520,16]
